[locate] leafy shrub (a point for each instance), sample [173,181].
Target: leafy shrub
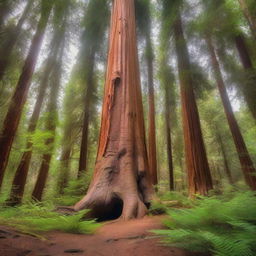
[224,226]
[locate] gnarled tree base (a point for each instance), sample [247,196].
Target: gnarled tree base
[116,192]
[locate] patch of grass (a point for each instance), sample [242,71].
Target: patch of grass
[223,225]
[35,218]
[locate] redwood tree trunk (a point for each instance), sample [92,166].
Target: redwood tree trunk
[19,97]
[199,176]
[120,183]
[151,119]
[20,177]
[244,157]
[249,88]
[11,41]
[87,109]
[250,18]
[168,137]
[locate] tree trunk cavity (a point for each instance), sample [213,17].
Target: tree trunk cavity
[199,176]
[243,154]
[121,182]
[19,97]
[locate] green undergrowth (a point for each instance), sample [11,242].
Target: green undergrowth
[35,218]
[223,225]
[170,199]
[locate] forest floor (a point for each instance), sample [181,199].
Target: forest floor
[130,238]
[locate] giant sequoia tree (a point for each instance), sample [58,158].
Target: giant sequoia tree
[120,183]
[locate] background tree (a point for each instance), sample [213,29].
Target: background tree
[18,100]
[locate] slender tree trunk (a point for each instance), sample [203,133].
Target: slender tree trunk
[168,137]
[51,124]
[87,109]
[19,97]
[151,119]
[7,48]
[250,18]
[64,167]
[20,177]
[244,157]
[225,159]
[120,184]
[249,88]
[199,176]
[4,11]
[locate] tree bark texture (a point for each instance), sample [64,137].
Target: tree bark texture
[7,47]
[151,118]
[20,177]
[19,97]
[168,137]
[121,183]
[199,176]
[249,88]
[243,154]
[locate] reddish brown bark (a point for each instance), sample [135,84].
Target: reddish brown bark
[151,118]
[7,48]
[199,176]
[120,183]
[249,17]
[20,177]
[168,137]
[244,157]
[19,97]
[249,88]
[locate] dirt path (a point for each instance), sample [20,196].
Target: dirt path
[130,238]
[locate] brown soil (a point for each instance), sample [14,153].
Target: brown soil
[130,238]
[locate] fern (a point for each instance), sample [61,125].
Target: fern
[223,225]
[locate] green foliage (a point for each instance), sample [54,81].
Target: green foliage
[223,225]
[36,218]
